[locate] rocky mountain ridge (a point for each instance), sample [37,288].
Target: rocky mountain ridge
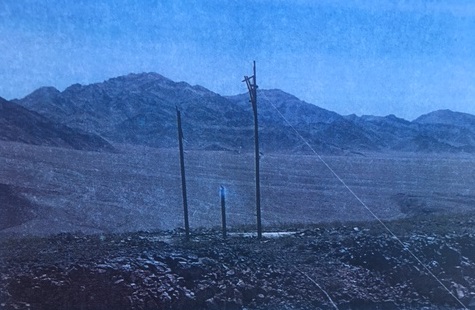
[141,109]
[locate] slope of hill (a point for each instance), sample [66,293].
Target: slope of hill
[327,131]
[386,132]
[293,109]
[21,125]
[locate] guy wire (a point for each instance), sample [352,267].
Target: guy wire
[363,204]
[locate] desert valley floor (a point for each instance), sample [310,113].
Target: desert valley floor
[140,188]
[90,230]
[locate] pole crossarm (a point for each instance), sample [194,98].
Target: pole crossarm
[251,88]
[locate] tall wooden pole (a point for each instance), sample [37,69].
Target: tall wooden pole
[251,83]
[183,179]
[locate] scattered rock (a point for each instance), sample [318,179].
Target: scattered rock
[358,271]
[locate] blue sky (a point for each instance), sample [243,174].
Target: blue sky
[365,57]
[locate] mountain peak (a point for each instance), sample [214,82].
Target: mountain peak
[387,118]
[151,82]
[277,93]
[447,117]
[39,96]
[45,91]
[73,87]
[140,77]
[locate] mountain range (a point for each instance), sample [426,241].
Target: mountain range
[140,109]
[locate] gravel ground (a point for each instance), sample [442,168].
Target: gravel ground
[339,265]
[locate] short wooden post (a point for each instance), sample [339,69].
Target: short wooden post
[222,193]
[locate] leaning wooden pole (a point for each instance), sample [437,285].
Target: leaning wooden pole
[251,83]
[183,178]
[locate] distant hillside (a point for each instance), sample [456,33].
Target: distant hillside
[396,134]
[21,125]
[141,109]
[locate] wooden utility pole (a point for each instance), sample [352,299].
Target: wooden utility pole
[183,179]
[252,88]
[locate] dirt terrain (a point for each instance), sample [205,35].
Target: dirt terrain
[140,188]
[351,266]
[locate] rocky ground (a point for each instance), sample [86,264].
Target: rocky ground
[342,265]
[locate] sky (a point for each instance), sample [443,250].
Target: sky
[379,57]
